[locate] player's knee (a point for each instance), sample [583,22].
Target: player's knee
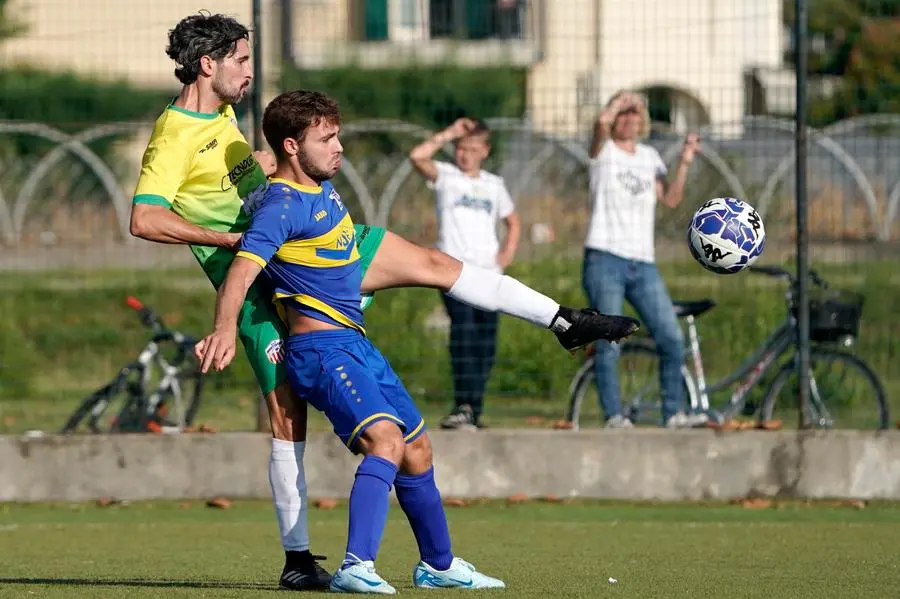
[383,439]
[419,456]
[442,268]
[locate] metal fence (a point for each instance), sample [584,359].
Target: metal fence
[724,70]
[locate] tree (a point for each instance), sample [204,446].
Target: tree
[859,42]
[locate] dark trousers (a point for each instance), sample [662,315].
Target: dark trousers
[473,344]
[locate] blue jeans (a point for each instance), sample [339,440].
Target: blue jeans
[608,280]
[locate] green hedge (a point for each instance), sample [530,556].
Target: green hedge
[70,103]
[432,96]
[60,343]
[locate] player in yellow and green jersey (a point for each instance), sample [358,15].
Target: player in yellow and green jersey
[199,181]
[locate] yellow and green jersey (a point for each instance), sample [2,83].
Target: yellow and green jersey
[201,167]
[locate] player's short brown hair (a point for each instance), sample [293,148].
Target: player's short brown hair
[291,113]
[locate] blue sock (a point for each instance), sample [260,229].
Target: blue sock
[421,502]
[369,507]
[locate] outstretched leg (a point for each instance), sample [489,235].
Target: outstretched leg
[400,263]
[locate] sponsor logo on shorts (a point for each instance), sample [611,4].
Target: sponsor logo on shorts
[275,351]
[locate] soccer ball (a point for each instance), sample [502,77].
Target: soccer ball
[726,235]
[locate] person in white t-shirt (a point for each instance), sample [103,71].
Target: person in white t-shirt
[627,179]
[470,203]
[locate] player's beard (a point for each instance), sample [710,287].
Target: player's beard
[228,96]
[315,173]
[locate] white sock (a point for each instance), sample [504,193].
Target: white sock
[288,482]
[490,291]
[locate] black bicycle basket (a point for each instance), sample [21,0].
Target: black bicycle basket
[833,315]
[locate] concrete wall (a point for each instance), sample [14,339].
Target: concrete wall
[643,464]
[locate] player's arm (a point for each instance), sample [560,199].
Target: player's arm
[163,170]
[672,194]
[218,348]
[422,156]
[158,223]
[507,213]
[270,227]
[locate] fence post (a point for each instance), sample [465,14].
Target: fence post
[262,414]
[801,66]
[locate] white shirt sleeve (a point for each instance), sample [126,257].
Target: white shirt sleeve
[659,167]
[505,205]
[445,170]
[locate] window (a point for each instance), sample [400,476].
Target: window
[409,20]
[477,19]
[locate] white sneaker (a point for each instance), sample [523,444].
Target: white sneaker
[619,421]
[360,577]
[697,419]
[460,575]
[678,420]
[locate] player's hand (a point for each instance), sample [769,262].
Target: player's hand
[266,161]
[216,349]
[504,259]
[690,148]
[234,241]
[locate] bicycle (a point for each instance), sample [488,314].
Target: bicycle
[138,407]
[834,325]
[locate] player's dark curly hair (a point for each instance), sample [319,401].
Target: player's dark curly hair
[200,35]
[290,114]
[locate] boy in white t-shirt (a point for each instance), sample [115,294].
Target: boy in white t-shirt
[470,202]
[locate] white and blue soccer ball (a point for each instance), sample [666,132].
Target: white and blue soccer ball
[726,235]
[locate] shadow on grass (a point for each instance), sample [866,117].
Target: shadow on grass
[139,582]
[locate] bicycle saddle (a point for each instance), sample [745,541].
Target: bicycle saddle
[692,308]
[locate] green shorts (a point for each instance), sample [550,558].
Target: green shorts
[260,328]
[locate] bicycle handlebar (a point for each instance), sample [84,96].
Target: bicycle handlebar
[134,303]
[160,332]
[780,273]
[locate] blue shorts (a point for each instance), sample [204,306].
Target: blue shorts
[341,374]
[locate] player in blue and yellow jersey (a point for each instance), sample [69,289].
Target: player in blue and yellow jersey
[302,235]
[199,181]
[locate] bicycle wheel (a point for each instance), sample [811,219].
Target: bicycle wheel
[837,398]
[90,412]
[638,385]
[190,385]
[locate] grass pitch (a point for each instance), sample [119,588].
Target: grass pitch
[542,550]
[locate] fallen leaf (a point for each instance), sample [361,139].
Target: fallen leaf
[771,425]
[325,503]
[221,503]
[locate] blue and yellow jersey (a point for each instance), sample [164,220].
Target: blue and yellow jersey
[200,166]
[304,239]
